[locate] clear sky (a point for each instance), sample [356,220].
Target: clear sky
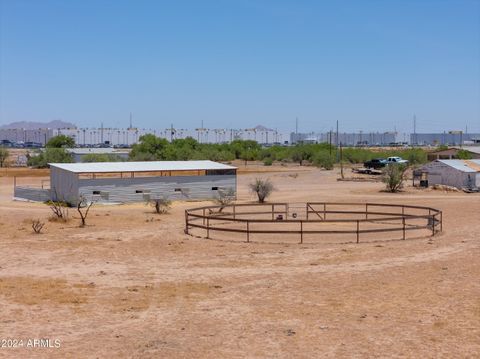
[370,64]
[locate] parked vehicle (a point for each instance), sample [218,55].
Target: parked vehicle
[376,163]
[396,160]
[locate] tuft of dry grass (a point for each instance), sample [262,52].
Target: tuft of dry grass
[140,298]
[34,291]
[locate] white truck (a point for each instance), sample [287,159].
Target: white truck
[394,159]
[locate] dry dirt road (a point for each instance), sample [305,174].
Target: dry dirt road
[132,285]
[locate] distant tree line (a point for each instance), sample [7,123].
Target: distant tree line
[153,148]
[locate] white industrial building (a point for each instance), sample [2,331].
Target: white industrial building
[122,182]
[455,173]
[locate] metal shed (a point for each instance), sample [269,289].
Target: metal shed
[121,182]
[456,173]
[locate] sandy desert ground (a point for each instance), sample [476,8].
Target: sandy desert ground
[132,285]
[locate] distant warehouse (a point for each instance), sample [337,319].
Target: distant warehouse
[121,182]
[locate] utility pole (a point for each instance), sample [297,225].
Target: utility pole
[414,130]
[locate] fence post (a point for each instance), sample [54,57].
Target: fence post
[403,221]
[366,210]
[324,211]
[441,221]
[273,209]
[234,211]
[358,231]
[248,232]
[301,232]
[433,225]
[186,222]
[203,216]
[208,227]
[306,210]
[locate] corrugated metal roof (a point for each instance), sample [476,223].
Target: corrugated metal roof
[146,166]
[462,165]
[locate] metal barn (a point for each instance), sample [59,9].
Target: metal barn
[455,173]
[121,182]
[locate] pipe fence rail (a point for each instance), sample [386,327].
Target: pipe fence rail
[240,218]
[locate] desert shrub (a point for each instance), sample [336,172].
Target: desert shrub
[37,226]
[3,156]
[262,188]
[161,205]
[60,141]
[267,161]
[225,197]
[50,155]
[59,210]
[323,159]
[464,155]
[393,176]
[83,208]
[101,157]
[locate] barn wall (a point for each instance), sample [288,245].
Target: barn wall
[64,185]
[124,189]
[440,173]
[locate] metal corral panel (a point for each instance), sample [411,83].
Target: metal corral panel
[174,188]
[145,166]
[31,194]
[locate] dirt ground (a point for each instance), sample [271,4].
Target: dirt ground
[132,285]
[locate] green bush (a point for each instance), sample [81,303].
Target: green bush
[50,155]
[324,160]
[267,161]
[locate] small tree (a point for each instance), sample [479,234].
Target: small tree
[3,156]
[262,188]
[393,176]
[83,207]
[161,205]
[225,197]
[60,141]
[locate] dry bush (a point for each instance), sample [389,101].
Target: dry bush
[161,205]
[262,188]
[59,210]
[225,197]
[37,226]
[83,207]
[393,176]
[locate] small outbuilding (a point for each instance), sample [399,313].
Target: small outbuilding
[455,173]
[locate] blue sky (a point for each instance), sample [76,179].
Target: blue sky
[370,64]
